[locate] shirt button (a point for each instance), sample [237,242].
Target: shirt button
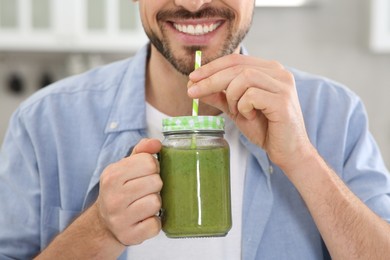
[271,169]
[113,125]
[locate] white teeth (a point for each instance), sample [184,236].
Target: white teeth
[197,29]
[190,29]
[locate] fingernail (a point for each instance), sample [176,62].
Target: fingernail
[193,90]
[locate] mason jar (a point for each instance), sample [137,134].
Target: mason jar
[195,169]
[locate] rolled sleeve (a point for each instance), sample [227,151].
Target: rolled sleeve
[364,171]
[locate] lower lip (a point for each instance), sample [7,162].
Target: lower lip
[188,39]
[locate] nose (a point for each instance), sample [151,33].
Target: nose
[192,5]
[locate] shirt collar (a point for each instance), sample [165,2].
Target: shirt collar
[128,110]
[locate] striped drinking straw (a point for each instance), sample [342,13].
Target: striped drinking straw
[198,63]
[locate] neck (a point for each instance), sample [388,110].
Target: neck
[166,88]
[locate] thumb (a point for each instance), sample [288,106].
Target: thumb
[147,145]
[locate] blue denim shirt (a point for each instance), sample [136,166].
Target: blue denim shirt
[60,140]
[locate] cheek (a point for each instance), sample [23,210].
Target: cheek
[147,15]
[245,12]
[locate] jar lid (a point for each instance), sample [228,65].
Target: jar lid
[193,123]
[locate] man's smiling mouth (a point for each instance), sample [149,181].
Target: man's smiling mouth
[196,29]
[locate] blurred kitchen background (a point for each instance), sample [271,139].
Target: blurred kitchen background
[42,41]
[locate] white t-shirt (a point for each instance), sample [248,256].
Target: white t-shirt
[228,247]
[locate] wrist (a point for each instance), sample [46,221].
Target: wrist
[302,163]
[86,238]
[104,231]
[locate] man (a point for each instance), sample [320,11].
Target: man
[314,184]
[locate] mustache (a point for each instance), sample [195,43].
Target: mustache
[207,12]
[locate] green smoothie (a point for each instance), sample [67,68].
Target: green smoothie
[196,191]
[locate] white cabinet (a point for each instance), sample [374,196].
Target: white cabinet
[70,25]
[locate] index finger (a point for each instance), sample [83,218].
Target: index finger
[142,158]
[228,61]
